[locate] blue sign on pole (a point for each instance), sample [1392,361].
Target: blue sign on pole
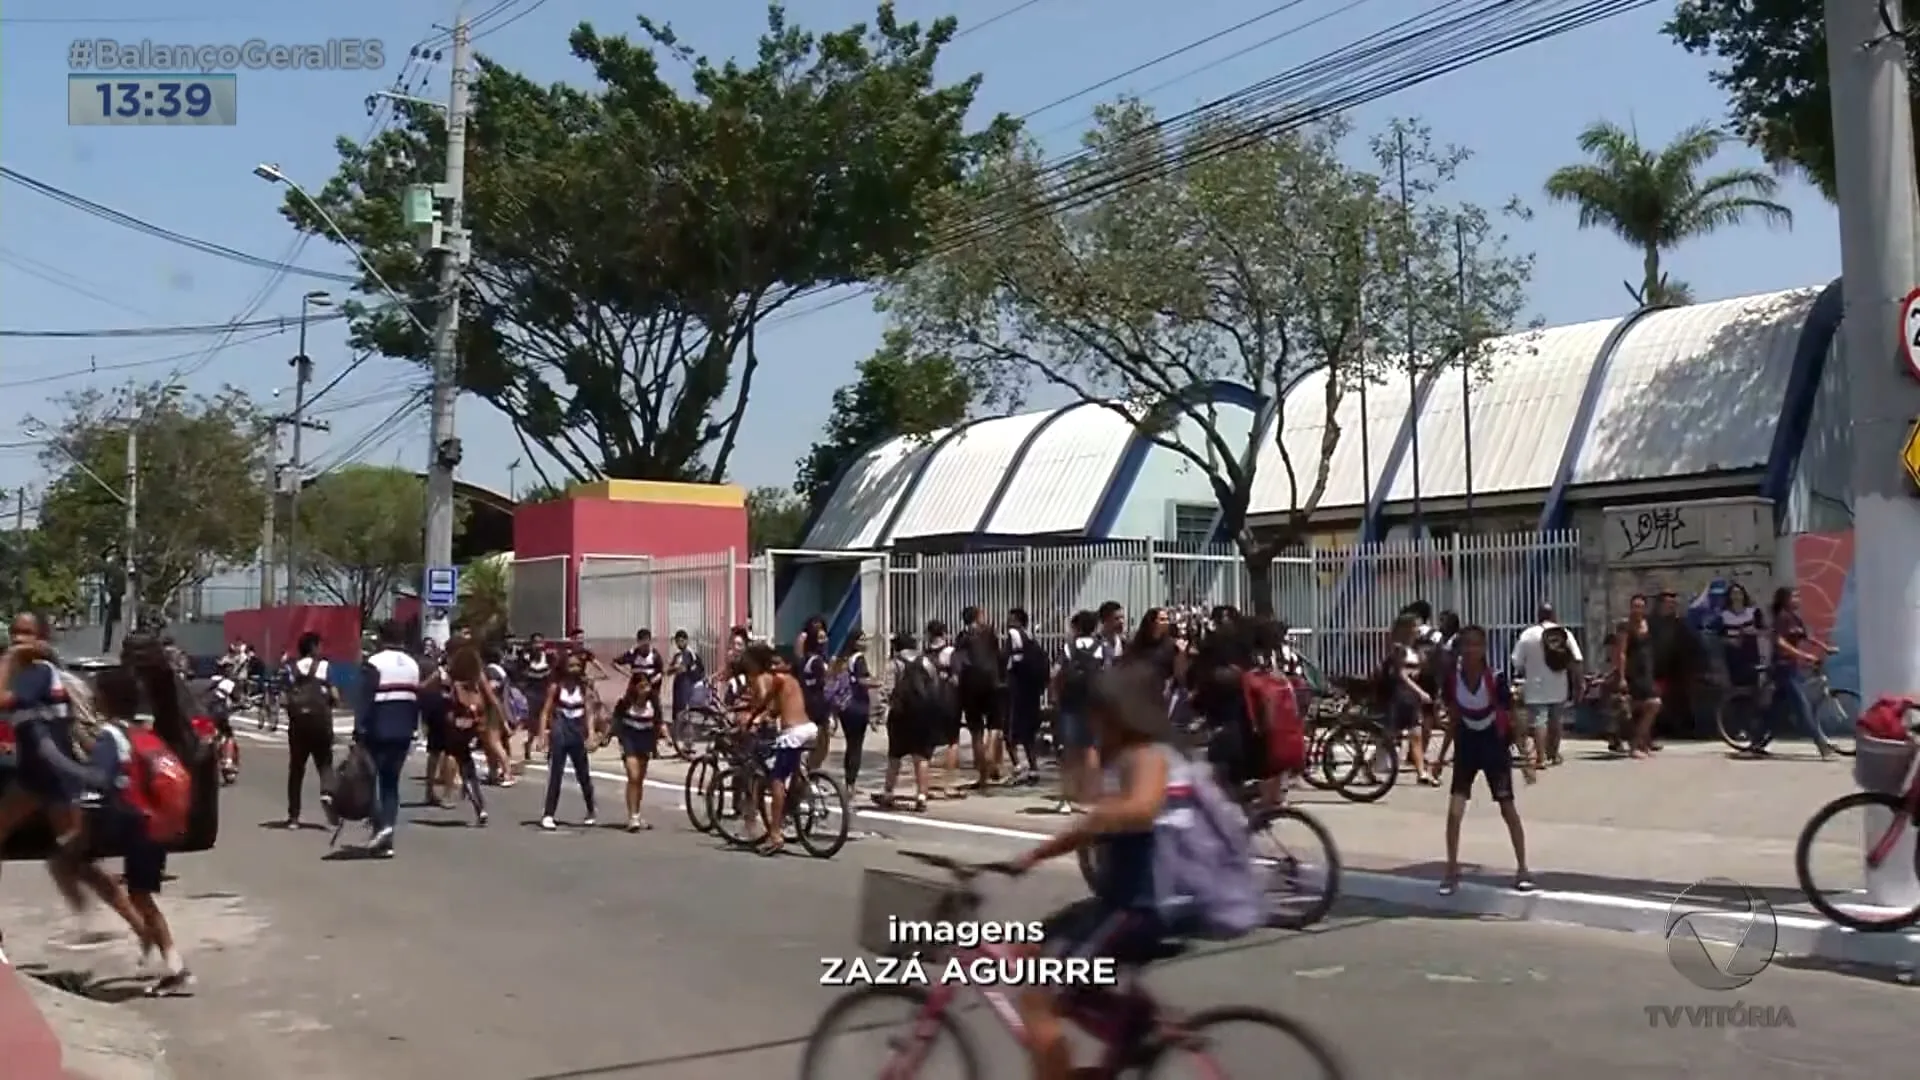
[442,586]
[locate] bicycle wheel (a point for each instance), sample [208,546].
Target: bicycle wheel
[1835,713]
[1323,772]
[821,815]
[727,805]
[1200,1036]
[1848,838]
[922,1044]
[1375,753]
[1735,716]
[1301,864]
[694,794]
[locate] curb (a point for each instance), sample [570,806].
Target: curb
[1796,936]
[28,1042]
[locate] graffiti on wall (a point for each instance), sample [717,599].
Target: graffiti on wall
[1823,569]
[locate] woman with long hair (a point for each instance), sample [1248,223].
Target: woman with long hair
[856,708]
[1794,652]
[1633,669]
[470,705]
[637,723]
[813,668]
[1478,705]
[569,719]
[1738,624]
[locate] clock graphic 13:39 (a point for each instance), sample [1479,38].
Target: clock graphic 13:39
[118,99]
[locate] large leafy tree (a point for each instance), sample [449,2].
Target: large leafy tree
[629,241]
[201,470]
[776,518]
[1132,284]
[1657,199]
[1773,66]
[361,531]
[896,392]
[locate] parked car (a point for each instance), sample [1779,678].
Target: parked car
[195,745]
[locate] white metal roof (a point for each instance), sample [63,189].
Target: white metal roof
[1064,474]
[960,480]
[1519,407]
[1358,463]
[1695,390]
[867,494]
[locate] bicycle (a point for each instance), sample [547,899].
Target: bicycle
[1834,712]
[817,805]
[697,788]
[1299,892]
[1902,811]
[1137,1034]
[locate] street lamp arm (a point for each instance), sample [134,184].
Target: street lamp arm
[91,475]
[334,227]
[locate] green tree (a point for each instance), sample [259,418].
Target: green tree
[33,576]
[486,593]
[1657,200]
[1263,256]
[628,241]
[775,519]
[896,393]
[1773,67]
[201,493]
[361,534]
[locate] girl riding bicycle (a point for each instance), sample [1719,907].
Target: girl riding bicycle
[1121,920]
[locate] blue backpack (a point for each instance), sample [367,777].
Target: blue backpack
[1203,875]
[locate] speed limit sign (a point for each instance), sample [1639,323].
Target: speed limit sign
[1910,332]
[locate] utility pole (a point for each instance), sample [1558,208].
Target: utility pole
[20,548]
[1873,152]
[444,451]
[1413,338]
[302,375]
[1467,348]
[268,557]
[130,604]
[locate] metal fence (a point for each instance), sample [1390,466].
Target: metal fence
[1341,602]
[538,602]
[696,593]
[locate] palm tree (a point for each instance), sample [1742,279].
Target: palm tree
[1657,200]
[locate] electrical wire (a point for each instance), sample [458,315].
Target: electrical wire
[374,436]
[137,224]
[61,279]
[129,365]
[495,28]
[277,322]
[991,19]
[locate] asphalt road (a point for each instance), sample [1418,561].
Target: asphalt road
[513,954]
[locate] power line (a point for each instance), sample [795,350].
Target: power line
[129,365]
[991,19]
[494,28]
[141,225]
[278,322]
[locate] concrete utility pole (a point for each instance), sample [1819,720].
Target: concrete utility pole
[295,477]
[1873,148]
[130,605]
[268,557]
[444,452]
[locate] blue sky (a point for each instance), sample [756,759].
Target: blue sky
[60,269]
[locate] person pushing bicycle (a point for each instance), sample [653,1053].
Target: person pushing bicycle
[774,695]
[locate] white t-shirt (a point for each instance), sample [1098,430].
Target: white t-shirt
[1540,684]
[311,666]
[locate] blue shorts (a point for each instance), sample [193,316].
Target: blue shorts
[785,761]
[1092,928]
[143,859]
[1070,727]
[637,742]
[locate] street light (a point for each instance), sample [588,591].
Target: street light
[303,372]
[272,175]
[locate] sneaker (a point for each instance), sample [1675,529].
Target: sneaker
[548,823]
[293,821]
[589,821]
[382,840]
[179,982]
[480,819]
[633,822]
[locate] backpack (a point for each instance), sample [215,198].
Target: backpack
[1204,880]
[840,691]
[79,702]
[980,660]
[1557,648]
[1273,708]
[1082,665]
[1886,719]
[307,702]
[350,796]
[1029,660]
[158,787]
[916,691]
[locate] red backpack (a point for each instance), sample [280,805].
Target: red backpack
[159,787]
[1273,708]
[1886,719]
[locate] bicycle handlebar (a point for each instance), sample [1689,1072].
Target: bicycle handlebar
[962,871]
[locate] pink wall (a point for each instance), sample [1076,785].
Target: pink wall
[582,526]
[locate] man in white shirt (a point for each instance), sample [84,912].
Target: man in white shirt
[1544,672]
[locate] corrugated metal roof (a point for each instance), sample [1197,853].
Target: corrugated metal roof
[1519,408]
[1064,474]
[1695,390]
[963,475]
[1357,464]
[866,495]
